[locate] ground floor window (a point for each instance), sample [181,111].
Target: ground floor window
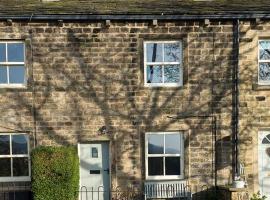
[14,157]
[164,155]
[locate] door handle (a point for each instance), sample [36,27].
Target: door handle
[107,170]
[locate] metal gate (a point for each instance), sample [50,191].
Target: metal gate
[15,191]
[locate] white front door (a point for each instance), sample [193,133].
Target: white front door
[264,163]
[94,171]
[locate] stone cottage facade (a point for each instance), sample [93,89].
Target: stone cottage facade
[170,91]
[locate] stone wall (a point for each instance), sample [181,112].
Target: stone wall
[83,76]
[254,98]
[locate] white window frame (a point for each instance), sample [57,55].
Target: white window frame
[17,178]
[181,155]
[260,82]
[10,64]
[180,83]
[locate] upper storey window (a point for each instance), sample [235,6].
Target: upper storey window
[264,62]
[12,64]
[163,63]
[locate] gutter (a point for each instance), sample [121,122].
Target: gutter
[131,17]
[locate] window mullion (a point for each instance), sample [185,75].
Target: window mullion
[164,170]
[7,65]
[11,159]
[6,53]
[7,74]
[163,60]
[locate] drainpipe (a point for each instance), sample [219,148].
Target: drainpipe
[235,99]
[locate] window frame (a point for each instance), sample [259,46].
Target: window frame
[260,82]
[10,64]
[17,178]
[162,64]
[164,155]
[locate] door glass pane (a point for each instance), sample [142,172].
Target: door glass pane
[155,166]
[3,74]
[172,144]
[15,52]
[264,50]
[171,73]
[172,165]
[4,145]
[94,152]
[5,167]
[154,74]
[19,144]
[16,74]
[172,52]
[155,144]
[2,52]
[154,52]
[20,167]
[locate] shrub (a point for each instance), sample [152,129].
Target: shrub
[257,196]
[55,173]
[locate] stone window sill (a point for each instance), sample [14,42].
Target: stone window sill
[258,87]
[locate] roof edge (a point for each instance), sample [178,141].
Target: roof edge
[130,17]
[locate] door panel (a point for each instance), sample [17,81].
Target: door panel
[264,163]
[94,171]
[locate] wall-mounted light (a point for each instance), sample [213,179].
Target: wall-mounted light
[102,130]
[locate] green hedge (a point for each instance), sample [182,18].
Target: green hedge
[55,173]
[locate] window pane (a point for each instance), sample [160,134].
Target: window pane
[155,166]
[15,52]
[172,144]
[2,52]
[155,144]
[4,145]
[264,50]
[3,74]
[172,52]
[264,72]
[154,74]
[265,141]
[19,144]
[172,165]
[16,74]
[154,52]
[5,167]
[171,74]
[20,167]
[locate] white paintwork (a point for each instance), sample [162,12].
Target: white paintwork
[181,155]
[10,64]
[260,82]
[17,178]
[166,189]
[99,183]
[264,165]
[180,83]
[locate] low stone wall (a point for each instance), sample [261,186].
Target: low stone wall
[227,193]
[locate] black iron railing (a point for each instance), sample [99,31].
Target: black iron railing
[15,191]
